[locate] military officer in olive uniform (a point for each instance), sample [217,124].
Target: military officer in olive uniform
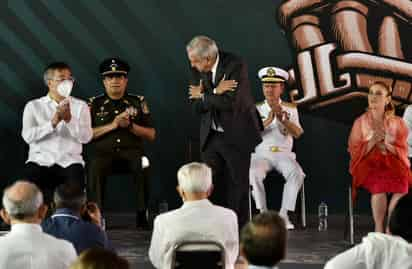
[120,121]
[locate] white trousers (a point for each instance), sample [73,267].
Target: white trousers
[286,164]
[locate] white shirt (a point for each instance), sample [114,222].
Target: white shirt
[194,221]
[407,117]
[27,247]
[61,145]
[377,251]
[275,134]
[214,69]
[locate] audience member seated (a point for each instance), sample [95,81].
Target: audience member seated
[26,246]
[382,251]
[75,220]
[263,240]
[98,258]
[197,220]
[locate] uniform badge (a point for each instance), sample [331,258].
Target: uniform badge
[287,115]
[114,65]
[102,113]
[283,130]
[271,72]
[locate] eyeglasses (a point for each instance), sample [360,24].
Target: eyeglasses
[62,79]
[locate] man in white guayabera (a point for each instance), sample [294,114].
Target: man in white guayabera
[55,126]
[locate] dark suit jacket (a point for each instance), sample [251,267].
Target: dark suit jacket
[65,224]
[235,111]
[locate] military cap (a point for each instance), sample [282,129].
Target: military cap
[272,74]
[114,66]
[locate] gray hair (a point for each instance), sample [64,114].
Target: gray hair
[203,47]
[48,71]
[194,177]
[25,207]
[47,75]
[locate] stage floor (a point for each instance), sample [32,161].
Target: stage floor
[307,248]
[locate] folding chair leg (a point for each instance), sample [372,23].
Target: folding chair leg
[351,224]
[303,205]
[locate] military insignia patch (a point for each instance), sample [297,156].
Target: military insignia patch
[113,65]
[283,131]
[271,72]
[102,113]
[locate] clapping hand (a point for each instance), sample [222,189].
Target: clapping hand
[378,134]
[280,114]
[122,120]
[379,138]
[93,211]
[270,117]
[64,110]
[62,113]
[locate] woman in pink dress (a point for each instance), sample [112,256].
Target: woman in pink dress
[379,154]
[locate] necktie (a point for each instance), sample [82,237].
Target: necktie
[209,79]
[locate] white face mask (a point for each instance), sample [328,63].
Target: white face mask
[65,88]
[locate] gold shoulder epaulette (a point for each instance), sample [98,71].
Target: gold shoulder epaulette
[293,105]
[91,99]
[136,96]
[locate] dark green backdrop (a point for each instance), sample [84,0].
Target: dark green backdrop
[151,35]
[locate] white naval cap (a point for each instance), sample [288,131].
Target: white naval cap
[271,74]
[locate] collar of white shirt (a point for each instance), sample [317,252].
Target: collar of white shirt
[48,99]
[26,228]
[267,104]
[188,204]
[214,69]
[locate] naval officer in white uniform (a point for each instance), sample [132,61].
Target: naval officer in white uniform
[281,126]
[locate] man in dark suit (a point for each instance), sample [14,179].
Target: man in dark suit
[76,220]
[230,127]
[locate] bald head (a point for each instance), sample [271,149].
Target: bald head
[22,200]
